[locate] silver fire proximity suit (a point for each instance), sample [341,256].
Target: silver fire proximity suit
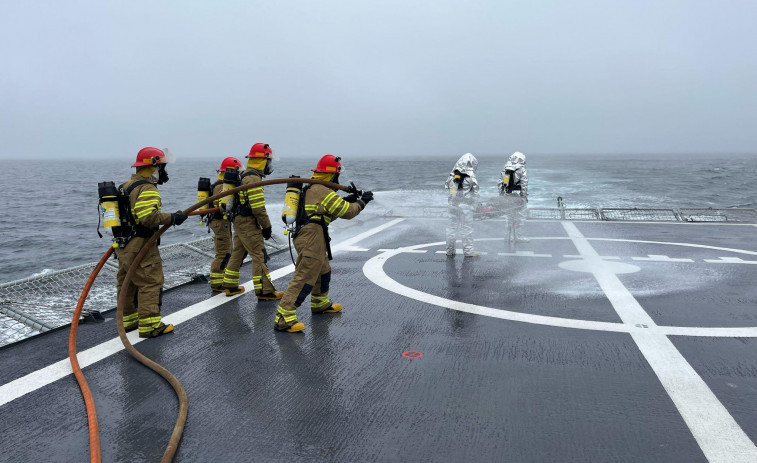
[513,185]
[461,201]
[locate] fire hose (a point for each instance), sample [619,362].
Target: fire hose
[181,394]
[89,402]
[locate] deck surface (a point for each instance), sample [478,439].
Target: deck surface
[607,342]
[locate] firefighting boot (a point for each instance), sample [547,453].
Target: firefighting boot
[160,330]
[217,288]
[233,291]
[276,295]
[291,327]
[333,308]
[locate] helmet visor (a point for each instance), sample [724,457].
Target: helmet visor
[170,156]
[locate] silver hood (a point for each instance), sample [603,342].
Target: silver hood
[467,164]
[516,161]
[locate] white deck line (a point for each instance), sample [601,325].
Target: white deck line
[717,433]
[58,370]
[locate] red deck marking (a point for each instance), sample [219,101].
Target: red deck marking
[412,354]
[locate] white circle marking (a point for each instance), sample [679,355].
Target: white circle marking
[374,270]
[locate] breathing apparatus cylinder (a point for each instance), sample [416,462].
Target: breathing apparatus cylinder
[203,190]
[231,179]
[291,201]
[109,205]
[456,180]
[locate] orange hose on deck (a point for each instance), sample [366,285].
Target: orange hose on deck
[89,401]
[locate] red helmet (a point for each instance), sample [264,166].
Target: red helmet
[329,164]
[150,157]
[230,162]
[260,150]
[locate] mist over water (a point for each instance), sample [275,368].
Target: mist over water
[51,207]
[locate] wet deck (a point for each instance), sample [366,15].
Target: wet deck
[593,342]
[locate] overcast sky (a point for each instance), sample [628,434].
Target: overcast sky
[400,78]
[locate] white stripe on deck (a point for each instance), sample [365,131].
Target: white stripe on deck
[58,370]
[717,433]
[730,260]
[522,254]
[660,258]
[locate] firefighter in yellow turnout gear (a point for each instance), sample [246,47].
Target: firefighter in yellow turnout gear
[312,274]
[222,233]
[251,227]
[147,281]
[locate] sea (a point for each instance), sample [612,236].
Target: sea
[50,207]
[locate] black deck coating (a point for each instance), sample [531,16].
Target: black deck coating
[485,389]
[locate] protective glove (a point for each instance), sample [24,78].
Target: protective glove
[351,198]
[178,218]
[367,197]
[266,233]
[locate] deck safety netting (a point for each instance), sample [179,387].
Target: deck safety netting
[718,215]
[607,213]
[645,215]
[37,304]
[562,214]
[544,213]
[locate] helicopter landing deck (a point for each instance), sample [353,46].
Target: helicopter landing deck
[594,341]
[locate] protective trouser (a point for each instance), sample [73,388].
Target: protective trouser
[248,239]
[517,213]
[147,282]
[222,241]
[312,275]
[460,223]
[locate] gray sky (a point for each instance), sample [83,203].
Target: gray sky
[399,78]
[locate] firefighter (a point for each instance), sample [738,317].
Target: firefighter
[221,226]
[251,227]
[513,187]
[147,217]
[312,273]
[462,186]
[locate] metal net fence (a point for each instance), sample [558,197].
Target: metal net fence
[646,215]
[498,210]
[37,304]
[718,215]
[542,213]
[563,214]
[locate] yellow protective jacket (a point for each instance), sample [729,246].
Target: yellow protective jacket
[322,204]
[145,204]
[252,201]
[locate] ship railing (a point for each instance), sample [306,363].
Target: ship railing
[45,302]
[633,214]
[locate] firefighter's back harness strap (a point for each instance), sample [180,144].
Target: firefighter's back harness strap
[215,215]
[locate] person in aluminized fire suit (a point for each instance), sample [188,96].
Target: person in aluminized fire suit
[513,185]
[463,196]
